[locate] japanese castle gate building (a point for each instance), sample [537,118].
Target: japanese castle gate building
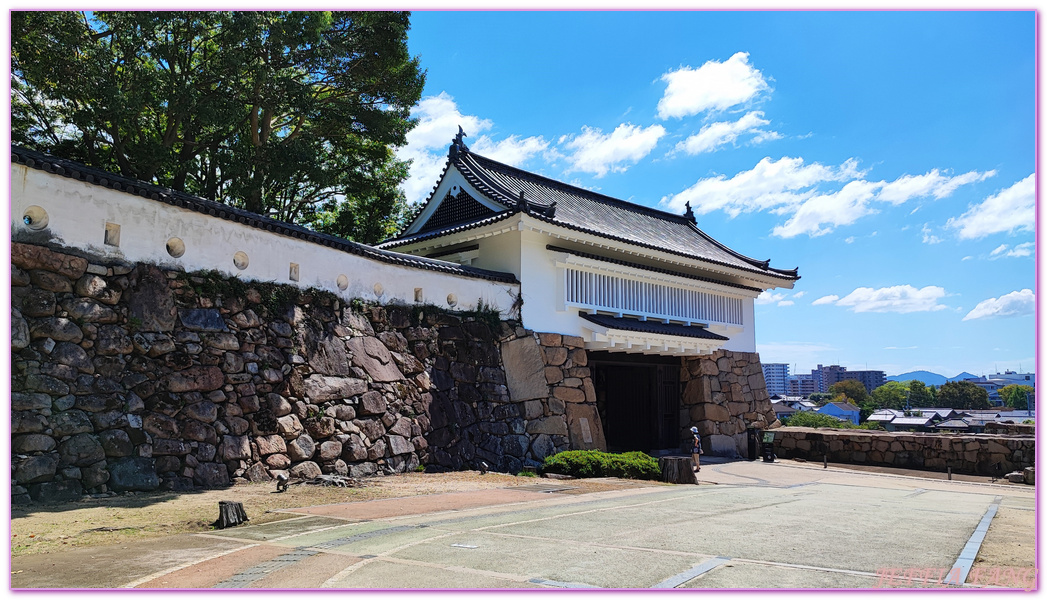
[663,311]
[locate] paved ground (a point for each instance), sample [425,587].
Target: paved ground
[747,525]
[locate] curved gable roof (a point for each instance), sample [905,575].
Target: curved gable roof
[583,210]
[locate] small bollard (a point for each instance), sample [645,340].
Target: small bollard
[950,473]
[825,461]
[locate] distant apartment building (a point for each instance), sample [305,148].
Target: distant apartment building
[777,377]
[800,384]
[825,377]
[870,379]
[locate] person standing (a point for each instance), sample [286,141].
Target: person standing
[696,449]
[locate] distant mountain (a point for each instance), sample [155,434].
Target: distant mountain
[926,377]
[929,378]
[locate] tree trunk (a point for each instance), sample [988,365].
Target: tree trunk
[230,513]
[677,469]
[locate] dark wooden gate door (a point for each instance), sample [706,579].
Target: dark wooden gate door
[668,406]
[631,423]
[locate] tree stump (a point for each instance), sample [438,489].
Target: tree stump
[229,514]
[677,469]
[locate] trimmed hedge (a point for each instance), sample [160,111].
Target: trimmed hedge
[593,463]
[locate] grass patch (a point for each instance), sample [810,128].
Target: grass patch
[594,463]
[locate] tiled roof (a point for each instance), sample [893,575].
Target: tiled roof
[81,172]
[583,210]
[655,327]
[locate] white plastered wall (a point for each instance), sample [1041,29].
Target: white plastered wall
[78,213]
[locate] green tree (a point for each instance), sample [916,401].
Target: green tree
[962,395]
[286,114]
[890,395]
[1014,396]
[920,396]
[853,389]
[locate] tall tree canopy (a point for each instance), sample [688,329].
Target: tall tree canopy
[1017,396]
[291,115]
[852,389]
[962,395]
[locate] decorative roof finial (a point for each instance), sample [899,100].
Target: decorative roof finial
[521,202]
[457,145]
[689,213]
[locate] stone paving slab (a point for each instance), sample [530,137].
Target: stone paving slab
[384,573]
[212,572]
[740,575]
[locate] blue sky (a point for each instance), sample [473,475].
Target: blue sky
[888,155]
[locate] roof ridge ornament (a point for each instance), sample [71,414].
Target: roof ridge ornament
[689,214]
[457,145]
[521,202]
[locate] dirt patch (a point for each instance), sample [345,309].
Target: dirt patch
[126,518]
[1007,556]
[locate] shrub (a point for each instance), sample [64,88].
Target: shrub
[593,463]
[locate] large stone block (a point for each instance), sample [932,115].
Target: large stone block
[201,319]
[549,425]
[35,469]
[321,388]
[32,443]
[233,447]
[707,411]
[195,379]
[524,369]
[81,450]
[370,354]
[211,475]
[56,491]
[28,257]
[586,430]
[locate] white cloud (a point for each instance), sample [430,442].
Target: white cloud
[799,294]
[896,299]
[999,250]
[821,214]
[714,86]
[966,258]
[928,237]
[786,303]
[1012,209]
[438,121]
[1018,251]
[512,150]
[597,153]
[900,347]
[770,185]
[816,197]
[769,297]
[1014,304]
[931,184]
[826,299]
[849,240]
[714,135]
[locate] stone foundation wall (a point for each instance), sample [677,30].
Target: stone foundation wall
[974,454]
[724,394]
[133,377]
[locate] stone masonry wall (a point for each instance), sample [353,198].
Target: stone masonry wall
[723,394]
[131,377]
[963,453]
